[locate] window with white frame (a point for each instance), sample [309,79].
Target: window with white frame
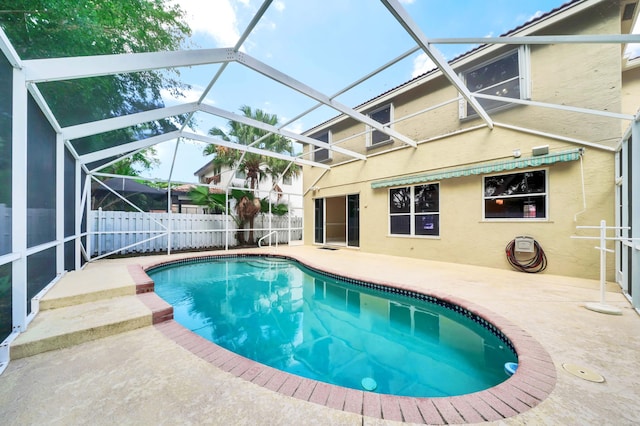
[415,210]
[516,195]
[321,154]
[383,115]
[506,76]
[287,180]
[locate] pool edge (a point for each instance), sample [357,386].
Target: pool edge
[531,384]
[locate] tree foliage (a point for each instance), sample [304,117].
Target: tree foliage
[63,28]
[134,164]
[5,130]
[255,166]
[277,209]
[201,196]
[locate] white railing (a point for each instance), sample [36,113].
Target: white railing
[602,306]
[135,232]
[268,236]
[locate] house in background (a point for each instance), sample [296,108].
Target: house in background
[181,200]
[229,178]
[472,184]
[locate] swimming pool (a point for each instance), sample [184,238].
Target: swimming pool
[352,334]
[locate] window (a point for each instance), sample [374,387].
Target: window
[505,76]
[241,174]
[321,154]
[415,210]
[287,180]
[382,115]
[516,196]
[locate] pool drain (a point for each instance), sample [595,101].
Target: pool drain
[583,373]
[369,384]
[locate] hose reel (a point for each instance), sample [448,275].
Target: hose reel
[531,258]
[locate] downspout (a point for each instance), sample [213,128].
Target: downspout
[584,195]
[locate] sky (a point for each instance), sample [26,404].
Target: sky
[325,44]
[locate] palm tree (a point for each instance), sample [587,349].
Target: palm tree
[255,166]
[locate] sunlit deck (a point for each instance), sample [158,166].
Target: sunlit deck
[143,377]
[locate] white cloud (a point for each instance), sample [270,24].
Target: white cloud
[279,5]
[421,64]
[214,18]
[523,19]
[296,127]
[536,15]
[191,95]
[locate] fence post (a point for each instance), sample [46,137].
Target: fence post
[289,217]
[226,220]
[98,234]
[270,217]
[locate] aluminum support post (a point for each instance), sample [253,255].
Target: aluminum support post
[19,201]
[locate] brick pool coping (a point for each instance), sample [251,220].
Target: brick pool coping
[532,382]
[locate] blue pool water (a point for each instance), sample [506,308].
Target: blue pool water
[284,315]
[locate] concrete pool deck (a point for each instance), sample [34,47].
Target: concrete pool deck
[143,377]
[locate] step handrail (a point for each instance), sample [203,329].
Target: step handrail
[268,235]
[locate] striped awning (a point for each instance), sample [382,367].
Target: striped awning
[478,169]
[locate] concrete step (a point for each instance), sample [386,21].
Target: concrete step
[64,327]
[92,304]
[89,285]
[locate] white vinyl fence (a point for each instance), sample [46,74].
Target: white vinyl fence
[116,231]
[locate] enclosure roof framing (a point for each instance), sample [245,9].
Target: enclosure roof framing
[550,39]
[273,129]
[56,69]
[110,124]
[9,51]
[128,147]
[246,148]
[292,83]
[414,30]
[37,71]
[519,36]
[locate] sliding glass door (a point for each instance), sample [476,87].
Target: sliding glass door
[337,220]
[318,222]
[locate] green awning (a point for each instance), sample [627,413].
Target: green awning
[478,169]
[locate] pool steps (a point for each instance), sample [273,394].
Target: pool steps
[89,306]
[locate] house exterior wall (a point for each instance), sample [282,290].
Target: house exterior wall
[292,193]
[630,90]
[587,76]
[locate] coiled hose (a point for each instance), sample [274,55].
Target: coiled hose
[536,263]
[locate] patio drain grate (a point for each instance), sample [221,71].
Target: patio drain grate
[583,373]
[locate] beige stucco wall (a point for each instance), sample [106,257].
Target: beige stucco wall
[464,236]
[587,76]
[630,91]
